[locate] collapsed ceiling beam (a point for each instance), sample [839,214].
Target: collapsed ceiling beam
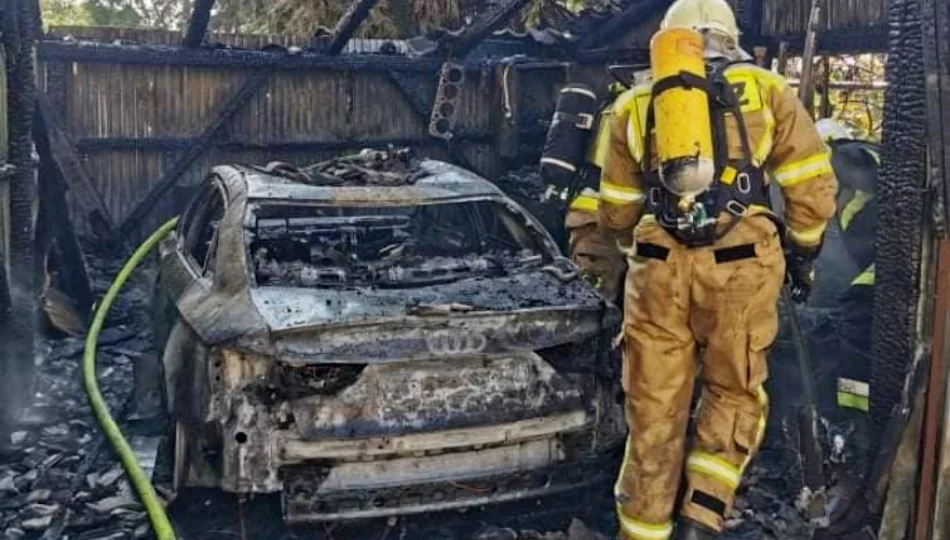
[198,23]
[482,27]
[69,164]
[614,28]
[348,23]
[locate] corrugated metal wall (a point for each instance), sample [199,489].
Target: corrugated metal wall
[153,109]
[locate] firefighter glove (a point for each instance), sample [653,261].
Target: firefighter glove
[800,272]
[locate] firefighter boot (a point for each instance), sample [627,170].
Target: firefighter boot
[690,530]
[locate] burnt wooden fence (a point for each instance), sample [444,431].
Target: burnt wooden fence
[139,126]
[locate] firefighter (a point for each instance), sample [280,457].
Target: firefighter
[595,254]
[684,191]
[856,164]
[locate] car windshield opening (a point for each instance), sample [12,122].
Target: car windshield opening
[387,246]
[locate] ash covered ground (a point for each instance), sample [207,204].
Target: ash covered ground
[59,479]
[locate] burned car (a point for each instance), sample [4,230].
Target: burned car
[379,335]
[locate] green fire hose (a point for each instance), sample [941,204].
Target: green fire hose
[138,479]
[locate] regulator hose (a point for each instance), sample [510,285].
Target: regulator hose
[140,482]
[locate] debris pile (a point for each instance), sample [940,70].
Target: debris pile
[58,478]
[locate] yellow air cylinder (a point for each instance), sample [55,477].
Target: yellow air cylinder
[683,135]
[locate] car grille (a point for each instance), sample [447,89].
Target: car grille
[309,380]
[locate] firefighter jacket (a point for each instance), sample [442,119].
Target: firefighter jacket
[782,137]
[595,253]
[856,165]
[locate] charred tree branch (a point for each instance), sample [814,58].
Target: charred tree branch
[198,23]
[254,82]
[347,25]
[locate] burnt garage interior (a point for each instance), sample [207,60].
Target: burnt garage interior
[106,132]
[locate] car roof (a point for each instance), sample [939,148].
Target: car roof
[435,181]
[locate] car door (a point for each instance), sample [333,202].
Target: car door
[192,263]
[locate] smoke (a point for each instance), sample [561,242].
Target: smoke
[17,331]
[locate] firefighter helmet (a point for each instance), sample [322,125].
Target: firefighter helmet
[714,16]
[832,130]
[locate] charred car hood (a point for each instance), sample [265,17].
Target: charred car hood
[527,311]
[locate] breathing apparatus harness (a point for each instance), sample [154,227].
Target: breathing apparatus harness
[738,183]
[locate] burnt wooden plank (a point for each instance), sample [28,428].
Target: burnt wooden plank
[198,23]
[937,66]
[348,23]
[180,165]
[933,498]
[64,155]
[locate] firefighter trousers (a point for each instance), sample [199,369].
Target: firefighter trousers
[710,312]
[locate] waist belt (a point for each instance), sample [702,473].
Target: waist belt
[723,256]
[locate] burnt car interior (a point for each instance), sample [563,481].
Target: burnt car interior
[387,246]
[199,226]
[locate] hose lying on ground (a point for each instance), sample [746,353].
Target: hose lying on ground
[140,482]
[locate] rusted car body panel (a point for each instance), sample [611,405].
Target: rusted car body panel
[361,401]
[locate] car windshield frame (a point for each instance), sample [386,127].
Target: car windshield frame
[541,247]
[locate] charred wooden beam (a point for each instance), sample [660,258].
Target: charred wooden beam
[21,27]
[180,165]
[348,23]
[615,27]
[198,23]
[902,220]
[159,55]
[57,230]
[184,143]
[417,89]
[63,153]
[483,26]
[640,57]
